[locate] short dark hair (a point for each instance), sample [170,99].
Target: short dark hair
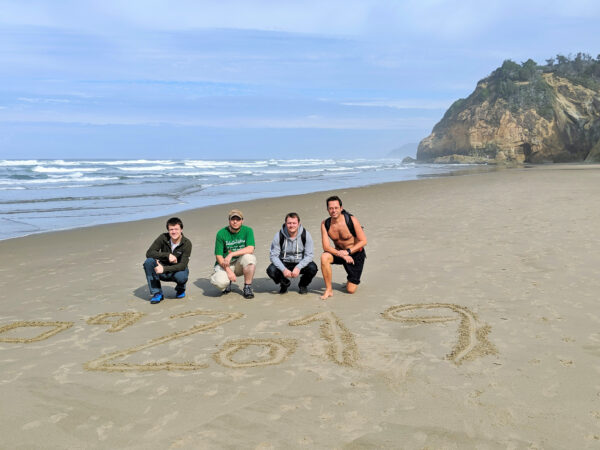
[174,221]
[293,215]
[333,198]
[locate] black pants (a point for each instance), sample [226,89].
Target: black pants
[308,273]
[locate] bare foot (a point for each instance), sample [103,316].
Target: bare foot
[328,293]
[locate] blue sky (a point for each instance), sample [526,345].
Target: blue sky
[254,79]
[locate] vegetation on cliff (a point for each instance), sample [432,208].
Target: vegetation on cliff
[525,112]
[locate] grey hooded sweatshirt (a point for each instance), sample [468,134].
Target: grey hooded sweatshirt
[293,250]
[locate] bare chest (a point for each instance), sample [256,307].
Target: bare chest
[339,233]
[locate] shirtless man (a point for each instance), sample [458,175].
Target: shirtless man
[349,240]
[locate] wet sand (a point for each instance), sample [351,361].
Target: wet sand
[476,326]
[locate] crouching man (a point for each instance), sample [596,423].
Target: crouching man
[349,240]
[292,253]
[234,254]
[167,260]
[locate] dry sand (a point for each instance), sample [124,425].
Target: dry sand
[476,326]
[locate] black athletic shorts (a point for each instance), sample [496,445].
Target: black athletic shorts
[354,271]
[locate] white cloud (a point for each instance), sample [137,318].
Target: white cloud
[404,104]
[343,17]
[43,100]
[307,122]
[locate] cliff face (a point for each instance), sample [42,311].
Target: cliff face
[546,118]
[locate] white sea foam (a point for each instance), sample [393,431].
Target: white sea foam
[145,168]
[126,162]
[175,185]
[11,162]
[42,169]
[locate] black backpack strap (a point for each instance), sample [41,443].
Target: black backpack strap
[303,237]
[281,240]
[349,222]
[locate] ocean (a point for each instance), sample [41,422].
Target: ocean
[47,195]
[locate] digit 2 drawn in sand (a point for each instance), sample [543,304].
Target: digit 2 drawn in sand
[279,350]
[102,363]
[341,349]
[58,327]
[472,340]
[123,319]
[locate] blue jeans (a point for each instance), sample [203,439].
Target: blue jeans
[154,278]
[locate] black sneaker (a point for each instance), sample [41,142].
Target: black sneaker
[227,290]
[248,291]
[283,287]
[302,289]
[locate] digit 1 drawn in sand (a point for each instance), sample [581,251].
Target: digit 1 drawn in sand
[58,327]
[472,340]
[102,363]
[123,319]
[279,350]
[342,349]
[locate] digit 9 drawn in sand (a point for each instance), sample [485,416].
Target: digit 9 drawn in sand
[57,328]
[472,340]
[341,349]
[102,363]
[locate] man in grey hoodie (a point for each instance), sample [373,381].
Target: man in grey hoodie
[292,252]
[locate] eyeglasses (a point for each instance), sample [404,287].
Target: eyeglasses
[236,218]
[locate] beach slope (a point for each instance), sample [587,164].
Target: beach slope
[476,326]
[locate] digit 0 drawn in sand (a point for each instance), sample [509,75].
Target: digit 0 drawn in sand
[123,319]
[279,350]
[58,327]
[472,340]
[102,363]
[341,349]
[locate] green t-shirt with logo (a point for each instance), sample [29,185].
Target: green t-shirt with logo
[228,242]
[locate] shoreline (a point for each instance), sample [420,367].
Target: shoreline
[478,298]
[468,170]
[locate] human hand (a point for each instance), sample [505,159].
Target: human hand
[159,268]
[231,276]
[227,260]
[295,272]
[172,258]
[348,259]
[287,273]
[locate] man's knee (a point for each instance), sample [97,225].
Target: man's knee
[149,263]
[272,271]
[326,258]
[247,260]
[181,277]
[311,269]
[351,287]
[219,279]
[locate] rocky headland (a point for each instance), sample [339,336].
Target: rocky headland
[523,113]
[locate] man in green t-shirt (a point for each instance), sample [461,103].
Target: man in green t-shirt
[234,252]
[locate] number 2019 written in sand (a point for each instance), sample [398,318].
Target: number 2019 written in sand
[341,347]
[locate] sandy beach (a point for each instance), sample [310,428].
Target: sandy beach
[476,326]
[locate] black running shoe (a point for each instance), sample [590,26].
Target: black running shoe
[283,286]
[302,289]
[227,290]
[248,291]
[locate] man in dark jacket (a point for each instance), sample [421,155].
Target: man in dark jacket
[292,253]
[167,260]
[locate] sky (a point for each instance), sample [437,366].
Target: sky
[257,78]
